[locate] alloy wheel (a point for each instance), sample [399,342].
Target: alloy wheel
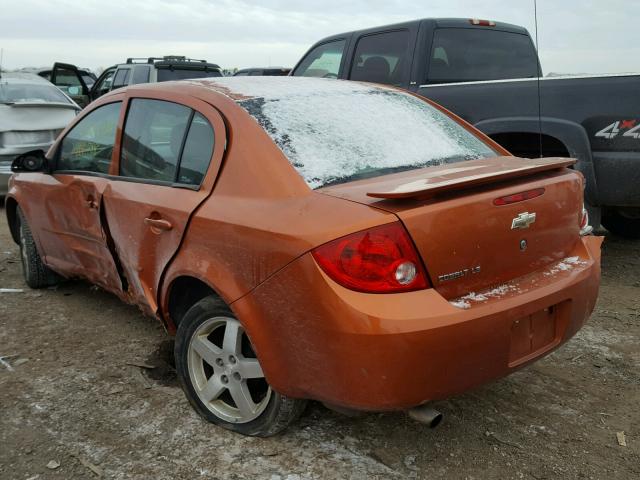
[225,372]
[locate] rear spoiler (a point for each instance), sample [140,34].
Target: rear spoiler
[455,176]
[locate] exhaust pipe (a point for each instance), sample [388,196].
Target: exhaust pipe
[426,415]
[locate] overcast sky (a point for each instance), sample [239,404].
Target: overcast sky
[575,36]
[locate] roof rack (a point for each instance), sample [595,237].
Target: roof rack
[166,58]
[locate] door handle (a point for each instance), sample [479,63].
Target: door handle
[158,223]
[91,203]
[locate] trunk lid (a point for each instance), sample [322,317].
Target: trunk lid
[467,242]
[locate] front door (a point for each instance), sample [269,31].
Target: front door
[71,224]
[170,156]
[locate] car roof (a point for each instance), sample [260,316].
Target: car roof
[245,88]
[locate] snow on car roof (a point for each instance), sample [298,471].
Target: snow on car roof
[337,130]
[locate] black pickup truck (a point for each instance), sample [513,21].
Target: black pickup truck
[489,74]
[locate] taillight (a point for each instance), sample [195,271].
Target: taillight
[519,197]
[378,260]
[585,228]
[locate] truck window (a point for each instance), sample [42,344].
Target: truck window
[381,58]
[322,61]
[468,55]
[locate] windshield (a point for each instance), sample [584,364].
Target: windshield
[167,74]
[335,131]
[28,92]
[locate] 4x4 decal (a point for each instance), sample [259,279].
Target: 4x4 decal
[632,128]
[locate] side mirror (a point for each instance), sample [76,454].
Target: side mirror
[33,161]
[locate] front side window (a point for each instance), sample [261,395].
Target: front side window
[323,61]
[122,78]
[381,58]
[88,146]
[469,55]
[152,139]
[104,83]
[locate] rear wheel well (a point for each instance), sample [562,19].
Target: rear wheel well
[12,218]
[183,294]
[527,145]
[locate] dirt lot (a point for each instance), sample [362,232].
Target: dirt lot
[70,395]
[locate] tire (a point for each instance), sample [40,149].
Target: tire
[624,222]
[36,274]
[221,376]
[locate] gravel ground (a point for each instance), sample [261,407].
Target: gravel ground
[76,406]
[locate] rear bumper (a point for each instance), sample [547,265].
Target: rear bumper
[318,340]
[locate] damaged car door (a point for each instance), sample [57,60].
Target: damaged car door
[71,225]
[167,167]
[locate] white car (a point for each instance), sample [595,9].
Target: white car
[33,112]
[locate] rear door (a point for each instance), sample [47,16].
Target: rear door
[68,79]
[170,154]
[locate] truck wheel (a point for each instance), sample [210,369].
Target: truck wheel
[222,377]
[36,274]
[623,221]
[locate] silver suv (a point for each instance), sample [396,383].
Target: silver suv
[70,79]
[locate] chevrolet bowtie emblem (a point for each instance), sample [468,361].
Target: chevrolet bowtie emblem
[523,220]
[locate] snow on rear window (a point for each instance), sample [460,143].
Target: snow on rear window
[334,131]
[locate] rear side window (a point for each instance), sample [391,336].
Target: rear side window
[122,78]
[198,148]
[323,61]
[141,74]
[152,139]
[467,55]
[166,74]
[88,146]
[381,58]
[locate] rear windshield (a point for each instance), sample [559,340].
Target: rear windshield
[335,131]
[26,92]
[467,55]
[168,74]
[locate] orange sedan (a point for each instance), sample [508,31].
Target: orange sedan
[311,239]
